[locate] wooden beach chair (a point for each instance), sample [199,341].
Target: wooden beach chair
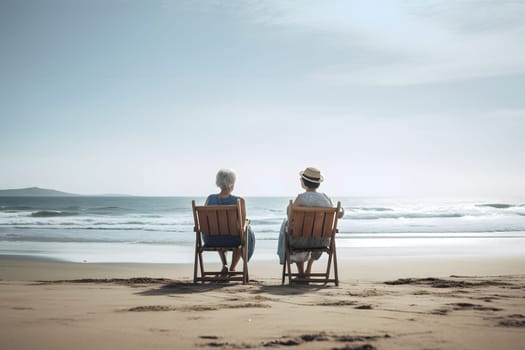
[312,222]
[219,220]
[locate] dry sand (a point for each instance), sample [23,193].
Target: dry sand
[389,303]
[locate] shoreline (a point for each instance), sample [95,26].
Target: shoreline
[30,268]
[265,250]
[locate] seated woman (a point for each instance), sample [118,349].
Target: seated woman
[310,181]
[225,180]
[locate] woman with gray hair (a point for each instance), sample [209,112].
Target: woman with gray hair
[225,180]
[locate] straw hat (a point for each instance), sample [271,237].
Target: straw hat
[312,174]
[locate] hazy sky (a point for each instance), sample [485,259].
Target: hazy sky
[390,98]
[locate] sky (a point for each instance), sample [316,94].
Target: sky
[386,98]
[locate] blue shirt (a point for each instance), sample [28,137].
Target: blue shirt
[214,199]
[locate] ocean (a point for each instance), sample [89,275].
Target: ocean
[160,229]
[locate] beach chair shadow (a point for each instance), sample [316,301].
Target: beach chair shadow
[281,290]
[217,220]
[184,287]
[181,287]
[311,222]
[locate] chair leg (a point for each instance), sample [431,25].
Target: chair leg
[247,269]
[247,249]
[195,267]
[284,269]
[285,264]
[245,274]
[196,263]
[330,252]
[288,264]
[335,266]
[245,265]
[201,263]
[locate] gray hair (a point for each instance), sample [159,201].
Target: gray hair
[225,179]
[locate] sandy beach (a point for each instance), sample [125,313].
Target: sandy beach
[387,303]
[118,119]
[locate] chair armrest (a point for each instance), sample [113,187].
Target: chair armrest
[245,225]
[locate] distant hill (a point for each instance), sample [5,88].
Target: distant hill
[33,192]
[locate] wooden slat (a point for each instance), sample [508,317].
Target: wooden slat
[213,221]
[223,222]
[203,221]
[298,218]
[313,222]
[233,222]
[318,225]
[328,224]
[308,225]
[217,219]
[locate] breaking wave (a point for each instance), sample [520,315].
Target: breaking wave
[497,205]
[51,213]
[147,219]
[357,216]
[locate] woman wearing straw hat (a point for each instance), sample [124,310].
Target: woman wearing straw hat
[310,179]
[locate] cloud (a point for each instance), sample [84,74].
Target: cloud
[459,59]
[407,43]
[471,17]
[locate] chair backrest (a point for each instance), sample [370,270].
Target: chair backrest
[218,219]
[313,221]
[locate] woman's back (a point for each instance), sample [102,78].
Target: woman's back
[215,199]
[314,199]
